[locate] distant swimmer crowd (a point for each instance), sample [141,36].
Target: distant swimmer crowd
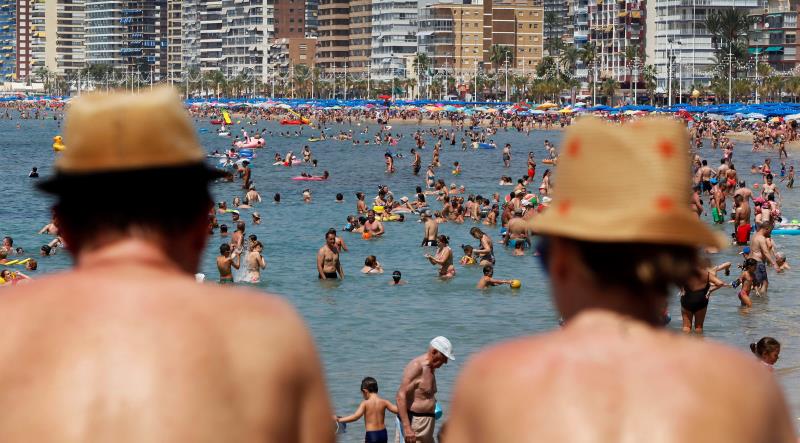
[134,343]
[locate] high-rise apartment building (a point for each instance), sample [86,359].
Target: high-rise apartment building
[130,35]
[174,40]
[25,37]
[677,28]
[557,21]
[8,39]
[773,34]
[517,24]
[201,40]
[312,18]
[617,27]
[394,37]
[70,36]
[451,34]
[247,31]
[344,42]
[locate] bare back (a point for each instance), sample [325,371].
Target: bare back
[130,353]
[602,380]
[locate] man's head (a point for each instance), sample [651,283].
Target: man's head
[488,270]
[626,260]
[330,238]
[371,215]
[396,276]
[440,351]
[45,250]
[8,242]
[224,249]
[110,183]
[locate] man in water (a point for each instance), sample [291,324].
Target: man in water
[328,265]
[431,229]
[169,359]
[741,220]
[246,173]
[704,176]
[416,163]
[225,261]
[762,253]
[416,396]
[373,226]
[252,195]
[507,155]
[610,279]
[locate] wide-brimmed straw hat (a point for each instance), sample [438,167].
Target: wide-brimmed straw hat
[625,184]
[117,134]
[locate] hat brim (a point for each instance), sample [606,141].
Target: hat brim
[680,229]
[190,175]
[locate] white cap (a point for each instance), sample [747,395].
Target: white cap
[442,344]
[199,277]
[546,199]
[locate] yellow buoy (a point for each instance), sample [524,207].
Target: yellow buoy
[58,144]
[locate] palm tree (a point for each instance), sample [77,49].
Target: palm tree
[421,64]
[302,74]
[569,59]
[610,86]
[631,58]
[728,29]
[43,74]
[649,79]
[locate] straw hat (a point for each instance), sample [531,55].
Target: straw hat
[122,133]
[628,184]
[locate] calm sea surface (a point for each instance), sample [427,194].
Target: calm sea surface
[364,327]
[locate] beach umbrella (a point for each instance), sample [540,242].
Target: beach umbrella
[548,105]
[565,111]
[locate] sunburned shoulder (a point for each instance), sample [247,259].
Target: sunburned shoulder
[566,353]
[166,292]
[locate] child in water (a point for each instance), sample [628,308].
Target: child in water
[456,168]
[488,278]
[767,350]
[373,408]
[467,259]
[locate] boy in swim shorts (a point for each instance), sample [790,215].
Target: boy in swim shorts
[373,408]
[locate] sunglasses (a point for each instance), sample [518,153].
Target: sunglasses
[543,252]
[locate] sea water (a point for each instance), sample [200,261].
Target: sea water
[363,326]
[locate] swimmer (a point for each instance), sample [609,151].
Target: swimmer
[488,279]
[256,218]
[431,229]
[223,230]
[306,196]
[34,173]
[485,251]
[768,350]
[389,163]
[328,264]
[397,279]
[372,266]
[780,260]
[339,241]
[255,262]
[339,198]
[374,227]
[361,205]
[443,258]
[456,168]
[225,261]
[747,281]
[467,259]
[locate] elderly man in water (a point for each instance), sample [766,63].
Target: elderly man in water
[127,347]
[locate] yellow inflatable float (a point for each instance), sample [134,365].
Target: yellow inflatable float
[58,144]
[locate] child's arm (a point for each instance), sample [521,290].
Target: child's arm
[356,415]
[391,407]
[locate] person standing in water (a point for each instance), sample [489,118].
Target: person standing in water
[507,155]
[443,258]
[169,359]
[255,263]
[225,261]
[610,277]
[328,265]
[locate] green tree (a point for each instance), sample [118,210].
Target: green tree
[421,64]
[609,88]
